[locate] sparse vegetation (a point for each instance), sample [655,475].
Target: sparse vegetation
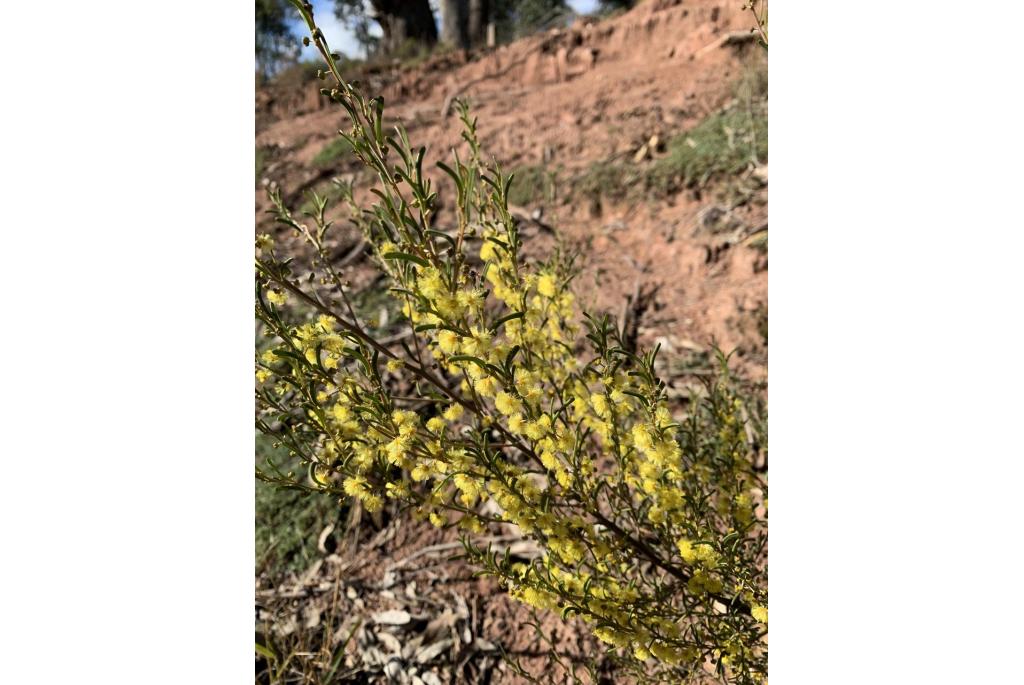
[287,520]
[533,184]
[724,144]
[727,142]
[612,179]
[331,153]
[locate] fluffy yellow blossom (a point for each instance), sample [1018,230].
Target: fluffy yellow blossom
[536,598]
[448,341]
[469,299]
[667,653]
[571,551]
[600,404]
[276,297]
[546,285]
[453,413]
[436,425]
[692,553]
[642,438]
[760,613]
[478,342]
[486,387]
[355,486]
[431,283]
[469,487]
[488,252]
[420,472]
[507,404]
[612,636]
[535,430]
[396,450]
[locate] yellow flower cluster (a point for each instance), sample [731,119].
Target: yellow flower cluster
[510,426]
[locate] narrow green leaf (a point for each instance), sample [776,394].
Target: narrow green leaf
[266,651]
[506,318]
[406,257]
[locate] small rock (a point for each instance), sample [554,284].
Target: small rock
[433,651]
[485,645]
[389,642]
[395,617]
[393,668]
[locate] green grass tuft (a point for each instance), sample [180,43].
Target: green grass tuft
[331,153]
[288,522]
[533,184]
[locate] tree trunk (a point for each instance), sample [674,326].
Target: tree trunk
[405,23]
[479,15]
[454,23]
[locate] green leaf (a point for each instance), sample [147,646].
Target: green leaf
[490,368]
[510,356]
[266,652]
[506,318]
[406,257]
[451,172]
[440,234]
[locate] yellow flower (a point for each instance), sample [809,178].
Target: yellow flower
[537,598]
[546,285]
[436,425]
[760,613]
[355,486]
[453,413]
[612,636]
[642,438]
[487,251]
[507,404]
[486,386]
[667,653]
[264,242]
[469,299]
[276,297]
[431,284]
[448,341]
[600,404]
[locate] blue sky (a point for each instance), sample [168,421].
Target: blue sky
[341,39]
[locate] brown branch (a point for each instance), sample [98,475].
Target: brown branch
[734,603]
